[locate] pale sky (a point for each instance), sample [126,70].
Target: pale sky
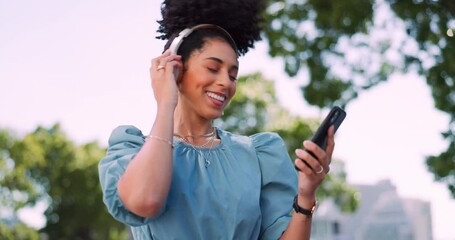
[85,64]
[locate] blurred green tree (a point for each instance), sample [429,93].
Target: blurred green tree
[46,166]
[18,231]
[255,108]
[349,46]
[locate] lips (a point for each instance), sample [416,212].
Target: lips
[215,96]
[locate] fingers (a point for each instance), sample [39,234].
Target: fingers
[162,78]
[156,62]
[310,164]
[314,159]
[167,62]
[313,164]
[330,142]
[318,153]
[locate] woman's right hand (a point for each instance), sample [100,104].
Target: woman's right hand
[163,79]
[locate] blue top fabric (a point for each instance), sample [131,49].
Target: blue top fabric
[245,192]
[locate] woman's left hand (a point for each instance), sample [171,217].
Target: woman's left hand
[313,169]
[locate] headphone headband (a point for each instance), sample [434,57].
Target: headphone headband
[187,31]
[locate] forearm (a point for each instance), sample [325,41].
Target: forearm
[300,225]
[144,186]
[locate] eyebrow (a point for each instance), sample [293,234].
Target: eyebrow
[236,67]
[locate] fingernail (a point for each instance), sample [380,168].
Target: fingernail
[306,142]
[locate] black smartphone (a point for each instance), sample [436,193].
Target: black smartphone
[335,118]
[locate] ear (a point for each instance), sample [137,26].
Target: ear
[179,80]
[179,75]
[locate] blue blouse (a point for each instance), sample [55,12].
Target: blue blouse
[242,189]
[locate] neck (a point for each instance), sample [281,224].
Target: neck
[191,125]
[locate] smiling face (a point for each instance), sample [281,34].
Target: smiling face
[209,80]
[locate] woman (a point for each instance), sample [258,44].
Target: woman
[187,179]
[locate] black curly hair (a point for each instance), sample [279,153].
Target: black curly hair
[241,18]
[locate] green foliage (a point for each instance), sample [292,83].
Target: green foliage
[255,108]
[16,187]
[46,166]
[20,231]
[306,33]
[429,23]
[247,112]
[351,46]
[443,166]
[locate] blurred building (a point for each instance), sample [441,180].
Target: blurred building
[382,214]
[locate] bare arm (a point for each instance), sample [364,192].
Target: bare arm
[300,225]
[145,184]
[309,180]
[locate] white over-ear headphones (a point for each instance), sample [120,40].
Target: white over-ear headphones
[187,31]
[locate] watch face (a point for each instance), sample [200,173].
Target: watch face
[315,206]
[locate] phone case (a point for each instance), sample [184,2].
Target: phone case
[335,118]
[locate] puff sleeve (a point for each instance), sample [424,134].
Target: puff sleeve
[124,143]
[278,184]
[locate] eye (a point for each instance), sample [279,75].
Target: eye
[213,70]
[233,78]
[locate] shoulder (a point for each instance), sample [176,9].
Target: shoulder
[267,139]
[271,151]
[126,133]
[230,138]
[257,141]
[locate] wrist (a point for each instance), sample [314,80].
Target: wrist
[306,202]
[305,206]
[166,106]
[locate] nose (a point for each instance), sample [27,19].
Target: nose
[223,79]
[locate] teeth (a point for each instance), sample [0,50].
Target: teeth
[217,97]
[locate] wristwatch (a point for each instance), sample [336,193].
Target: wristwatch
[307,212]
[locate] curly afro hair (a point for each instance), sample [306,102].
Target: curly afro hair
[241,18]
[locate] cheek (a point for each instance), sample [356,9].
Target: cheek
[233,89]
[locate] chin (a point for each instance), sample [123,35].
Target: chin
[215,115]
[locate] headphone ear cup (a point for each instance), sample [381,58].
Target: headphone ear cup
[179,72]
[177,75]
